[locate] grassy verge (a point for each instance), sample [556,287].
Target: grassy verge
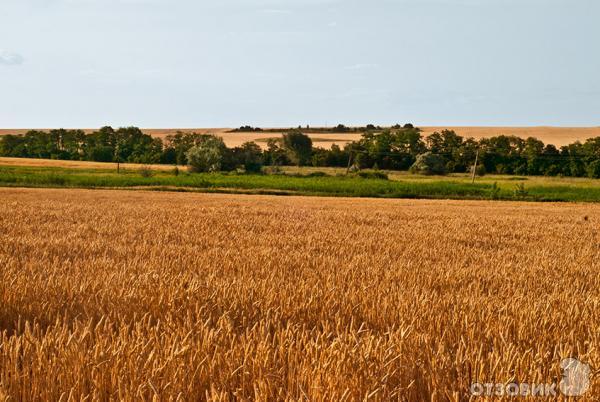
[402,186]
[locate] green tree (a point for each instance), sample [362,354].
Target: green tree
[207,155]
[429,164]
[251,157]
[389,149]
[101,153]
[593,169]
[248,156]
[573,159]
[503,154]
[13,145]
[275,155]
[449,145]
[298,147]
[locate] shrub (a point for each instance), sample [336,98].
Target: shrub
[429,164]
[146,171]
[495,192]
[520,191]
[479,171]
[207,155]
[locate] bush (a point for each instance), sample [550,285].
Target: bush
[495,193]
[521,191]
[146,171]
[207,155]
[479,171]
[429,164]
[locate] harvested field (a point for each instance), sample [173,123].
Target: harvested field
[558,136]
[138,295]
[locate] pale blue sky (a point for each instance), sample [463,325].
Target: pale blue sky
[184,63]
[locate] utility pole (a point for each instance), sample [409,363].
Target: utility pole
[349,161]
[117,153]
[118,158]
[475,167]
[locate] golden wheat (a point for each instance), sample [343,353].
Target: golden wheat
[116,295]
[557,136]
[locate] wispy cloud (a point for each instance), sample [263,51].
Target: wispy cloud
[10,58]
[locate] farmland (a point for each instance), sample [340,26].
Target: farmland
[20,172]
[557,136]
[235,139]
[141,295]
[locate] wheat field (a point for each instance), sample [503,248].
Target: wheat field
[130,295]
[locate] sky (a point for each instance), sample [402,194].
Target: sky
[268,63]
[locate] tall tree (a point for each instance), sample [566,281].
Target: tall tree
[298,147]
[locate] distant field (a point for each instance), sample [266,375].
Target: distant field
[551,135]
[558,136]
[228,297]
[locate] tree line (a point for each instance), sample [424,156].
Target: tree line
[397,148]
